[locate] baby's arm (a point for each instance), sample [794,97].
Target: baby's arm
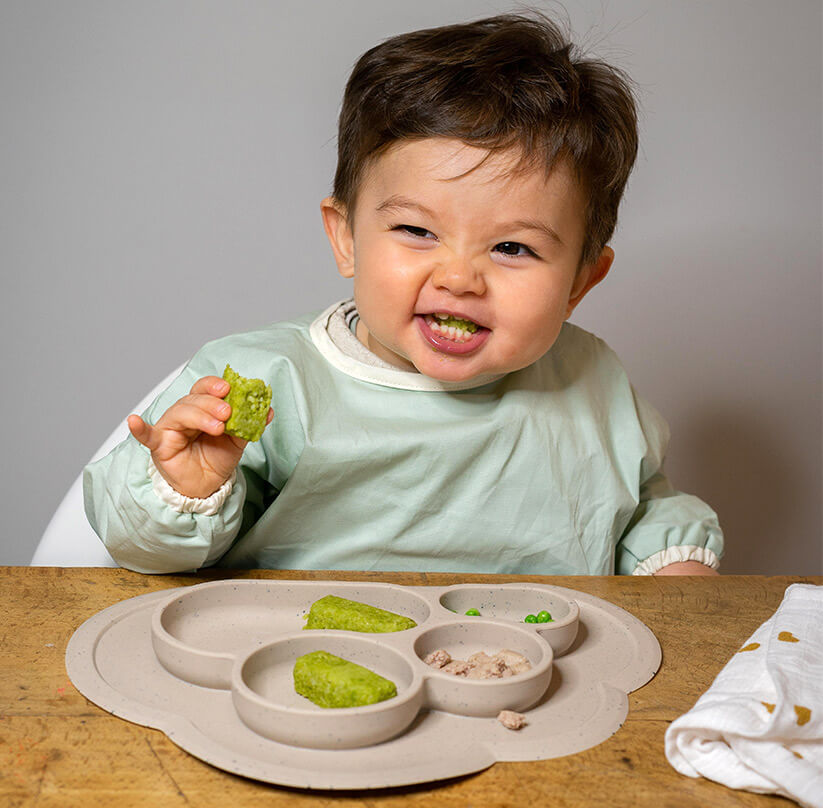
[671,532]
[146,523]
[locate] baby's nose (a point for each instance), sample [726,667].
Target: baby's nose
[459,276]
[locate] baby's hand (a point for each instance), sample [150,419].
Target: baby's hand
[188,443]
[687,568]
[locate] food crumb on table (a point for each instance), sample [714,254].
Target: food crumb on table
[511,720]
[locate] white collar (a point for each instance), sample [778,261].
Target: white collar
[388,377]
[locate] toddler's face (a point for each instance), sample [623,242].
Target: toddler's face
[461,276]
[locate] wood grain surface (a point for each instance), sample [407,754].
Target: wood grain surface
[58,749]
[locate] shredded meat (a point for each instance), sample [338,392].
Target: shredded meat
[439,658]
[480,665]
[515,662]
[458,667]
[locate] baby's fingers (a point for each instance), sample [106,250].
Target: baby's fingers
[198,413]
[211,386]
[143,432]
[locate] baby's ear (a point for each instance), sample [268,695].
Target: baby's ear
[336,223]
[588,276]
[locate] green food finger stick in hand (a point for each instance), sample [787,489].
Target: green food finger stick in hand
[250,400]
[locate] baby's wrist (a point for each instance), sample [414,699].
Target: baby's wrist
[181,502]
[686,568]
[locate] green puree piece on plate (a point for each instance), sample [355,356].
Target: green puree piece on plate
[250,400]
[331,681]
[351,615]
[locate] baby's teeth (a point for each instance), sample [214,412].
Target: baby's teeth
[454,333]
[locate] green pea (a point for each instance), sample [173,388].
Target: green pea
[472,613]
[544,617]
[530,618]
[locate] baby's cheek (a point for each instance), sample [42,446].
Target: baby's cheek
[514,355]
[536,335]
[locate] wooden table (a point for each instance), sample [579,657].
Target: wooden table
[58,749]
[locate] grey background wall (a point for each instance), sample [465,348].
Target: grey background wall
[157,156]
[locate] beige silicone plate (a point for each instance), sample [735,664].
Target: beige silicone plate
[210,665]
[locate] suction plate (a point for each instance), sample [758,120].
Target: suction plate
[210,665]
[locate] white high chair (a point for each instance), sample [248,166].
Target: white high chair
[69,540]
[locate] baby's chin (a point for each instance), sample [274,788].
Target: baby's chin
[446,368]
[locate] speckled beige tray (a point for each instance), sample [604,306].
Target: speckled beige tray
[210,665]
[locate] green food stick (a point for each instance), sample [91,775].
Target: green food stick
[250,400]
[331,681]
[350,615]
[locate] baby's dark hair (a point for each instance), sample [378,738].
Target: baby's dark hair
[510,81]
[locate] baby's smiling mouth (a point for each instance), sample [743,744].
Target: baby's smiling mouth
[452,334]
[447,326]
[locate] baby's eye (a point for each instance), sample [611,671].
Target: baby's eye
[513,248]
[417,232]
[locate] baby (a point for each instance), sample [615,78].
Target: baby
[447,417]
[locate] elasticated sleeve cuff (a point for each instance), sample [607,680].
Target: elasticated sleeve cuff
[208,506]
[674,554]
[144,533]
[668,526]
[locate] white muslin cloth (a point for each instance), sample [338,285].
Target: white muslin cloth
[759,726]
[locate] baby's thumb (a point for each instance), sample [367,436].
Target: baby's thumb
[143,432]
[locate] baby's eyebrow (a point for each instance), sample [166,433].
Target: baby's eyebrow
[535,224]
[398,202]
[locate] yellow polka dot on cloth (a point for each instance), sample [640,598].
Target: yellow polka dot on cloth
[787,636]
[804,715]
[750,647]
